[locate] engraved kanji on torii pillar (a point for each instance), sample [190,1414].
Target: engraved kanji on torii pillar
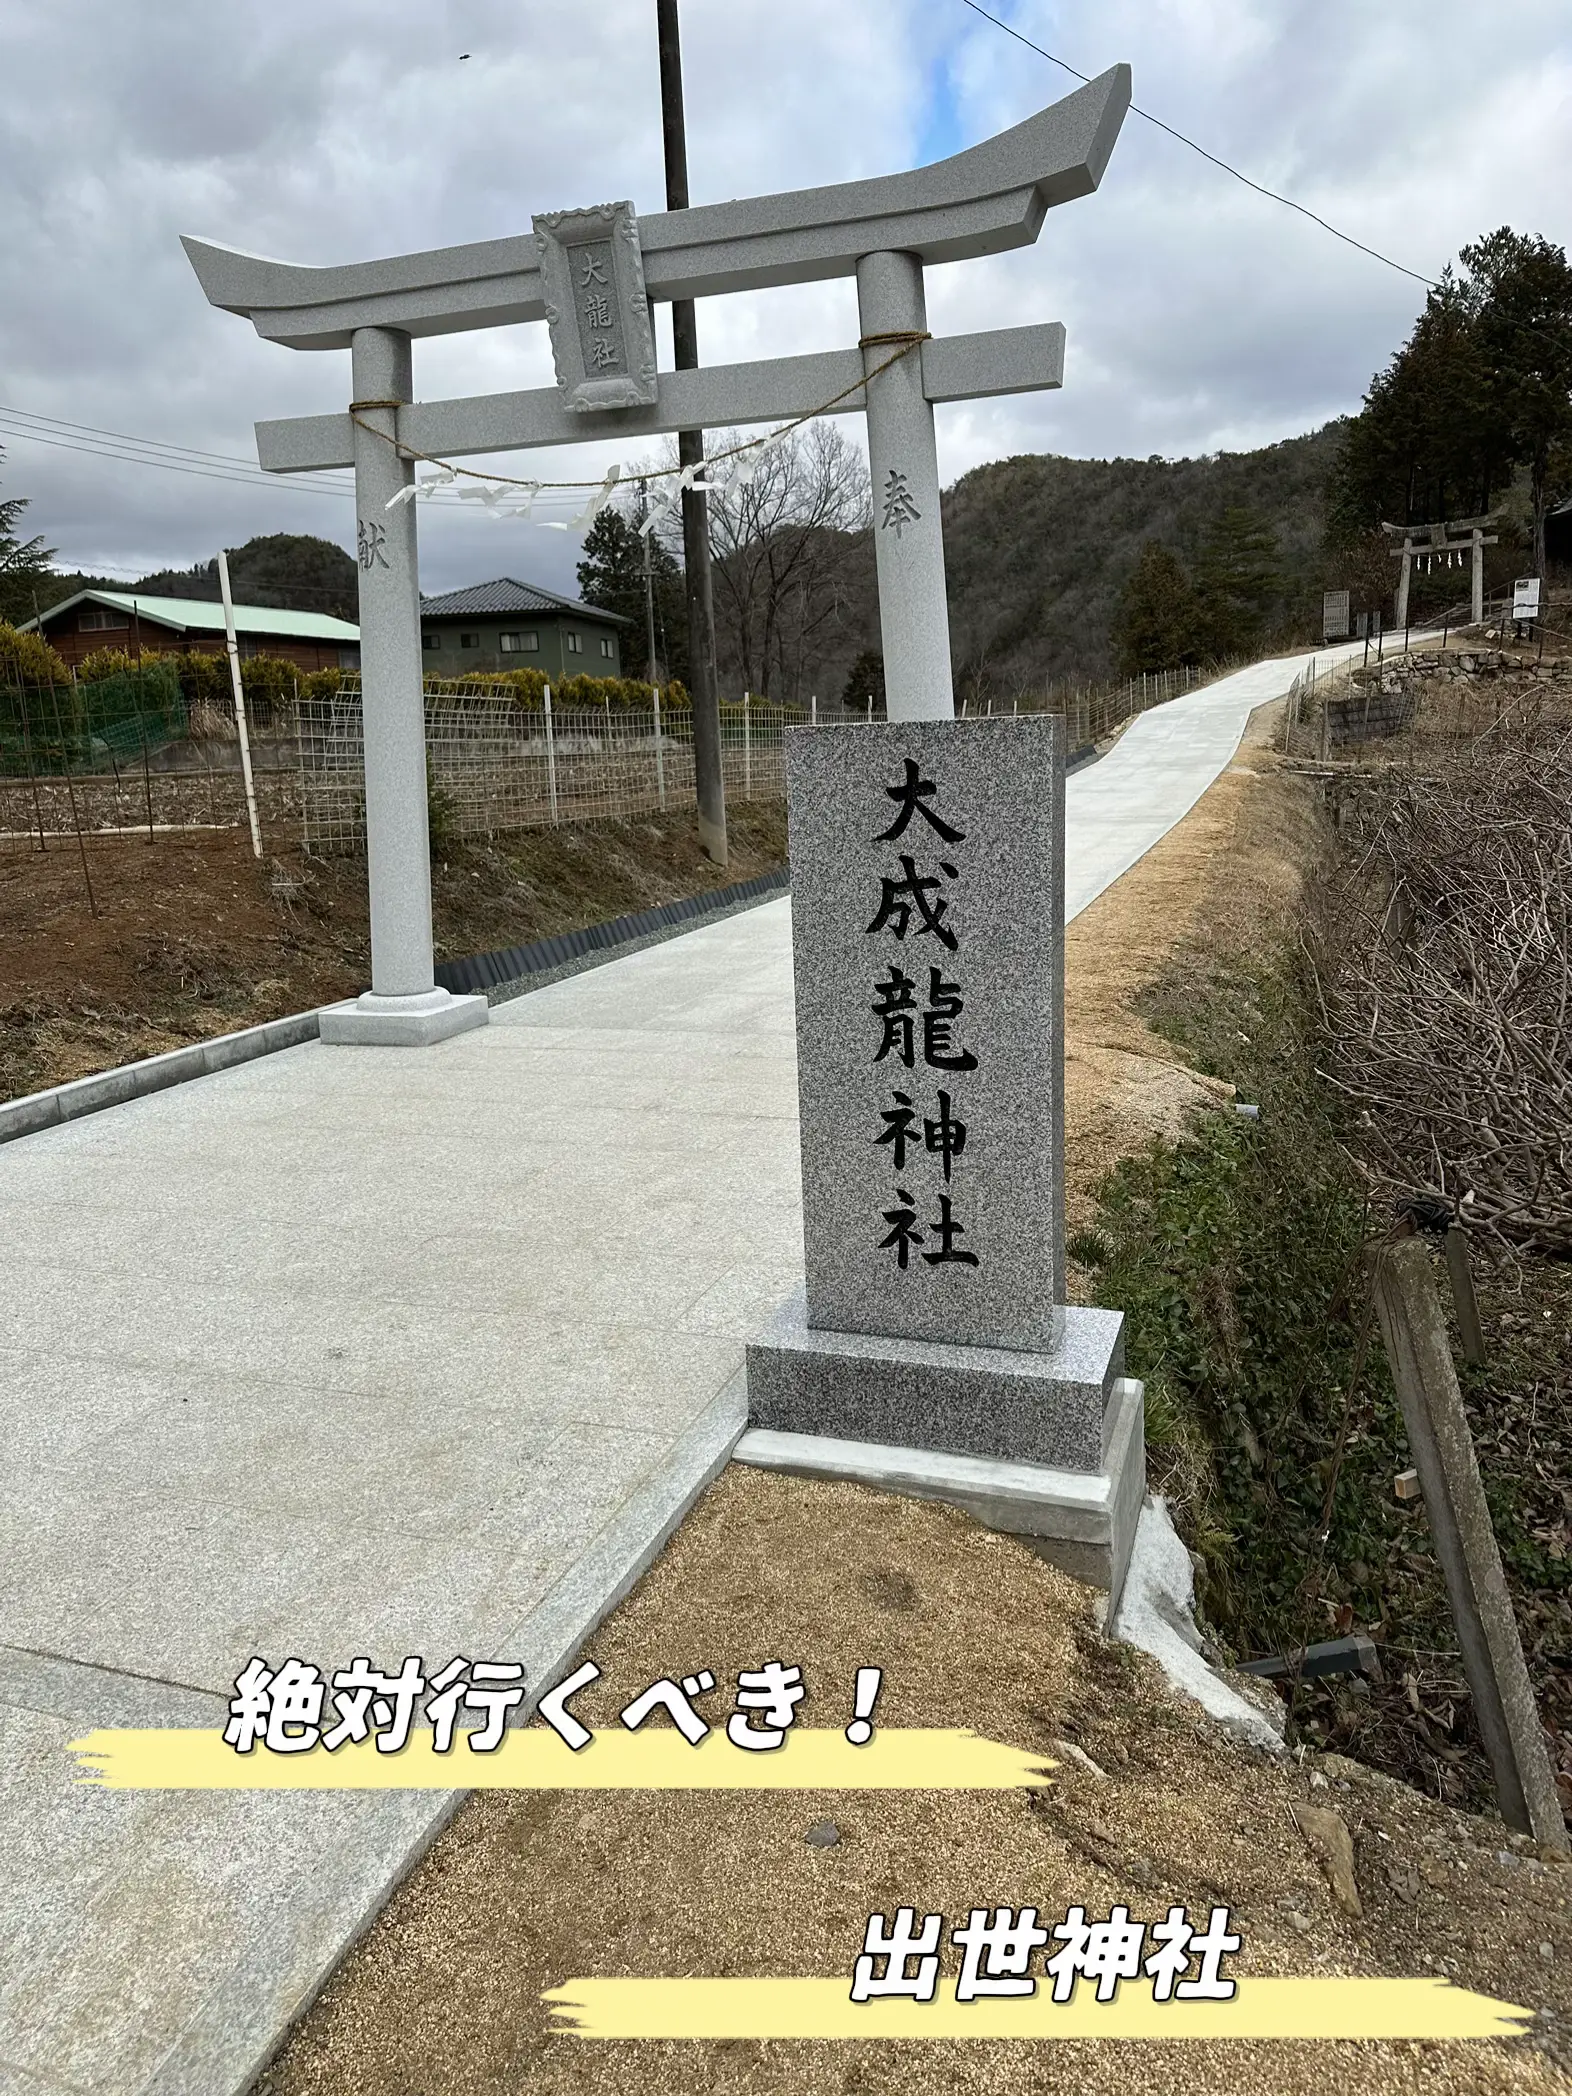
[883,231]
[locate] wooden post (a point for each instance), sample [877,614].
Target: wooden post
[1463,1298]
[1443,1452]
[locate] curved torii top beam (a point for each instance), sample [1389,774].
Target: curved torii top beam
[981,202]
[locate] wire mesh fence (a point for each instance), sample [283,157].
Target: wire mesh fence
[127,754]
[1091,711]
[496,762]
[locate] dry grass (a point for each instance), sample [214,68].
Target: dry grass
[525,1892]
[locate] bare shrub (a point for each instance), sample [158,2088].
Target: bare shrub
[1448,997]
[210,724]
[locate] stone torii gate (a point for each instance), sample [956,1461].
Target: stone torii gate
[591,275]
[1458,536]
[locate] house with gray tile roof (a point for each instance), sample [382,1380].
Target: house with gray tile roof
[508,625]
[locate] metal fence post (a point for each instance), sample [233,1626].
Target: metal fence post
[551,758]
[747,746]
[813,711]
[660,754]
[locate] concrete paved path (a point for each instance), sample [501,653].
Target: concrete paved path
[357,1351]
[349,1351]
[1155,773]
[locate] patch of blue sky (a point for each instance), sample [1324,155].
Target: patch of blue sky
[942,129]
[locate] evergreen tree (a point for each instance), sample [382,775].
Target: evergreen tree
[1430,442]
[1156,625]
[1236,579]
[1521,291]
[865,681]
[24,563]
[1482,385]
[611,576]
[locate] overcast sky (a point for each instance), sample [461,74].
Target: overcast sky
[1200,315]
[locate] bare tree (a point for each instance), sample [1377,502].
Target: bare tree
[783,540]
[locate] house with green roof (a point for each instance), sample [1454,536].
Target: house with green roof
[148,625]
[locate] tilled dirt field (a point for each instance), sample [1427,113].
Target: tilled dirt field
[188,936]
[525,1892]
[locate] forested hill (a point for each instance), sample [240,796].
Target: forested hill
[1038,549]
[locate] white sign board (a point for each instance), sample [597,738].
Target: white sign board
[1334,615]
[1525,597]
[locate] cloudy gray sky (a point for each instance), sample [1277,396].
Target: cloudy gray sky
[1200,315]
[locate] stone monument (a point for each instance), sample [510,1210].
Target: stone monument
[931,1350]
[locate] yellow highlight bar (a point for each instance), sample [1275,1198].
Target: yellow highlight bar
[816,2008]
[534,1758]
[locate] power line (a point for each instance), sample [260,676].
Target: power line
[95,442]
[1259,187]
[148,456]
[223,458]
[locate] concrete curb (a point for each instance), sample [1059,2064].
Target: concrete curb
[507,965]
[87,1095]
[1155,1613]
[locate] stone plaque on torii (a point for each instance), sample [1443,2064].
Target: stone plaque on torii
[931,1350]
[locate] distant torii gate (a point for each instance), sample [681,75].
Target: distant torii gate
[591,275]
[1459,535]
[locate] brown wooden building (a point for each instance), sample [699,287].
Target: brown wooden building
[187,625]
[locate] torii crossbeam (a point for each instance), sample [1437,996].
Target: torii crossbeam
[591,275]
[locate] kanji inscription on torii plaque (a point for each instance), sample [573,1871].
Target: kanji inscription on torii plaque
[596,307]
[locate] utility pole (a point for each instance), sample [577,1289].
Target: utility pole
[690,452]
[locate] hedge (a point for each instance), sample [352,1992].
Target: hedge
[26,659]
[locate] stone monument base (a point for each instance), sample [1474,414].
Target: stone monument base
[1051,1408]
[1048,1446]
[1082,1521]
[401,1022]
